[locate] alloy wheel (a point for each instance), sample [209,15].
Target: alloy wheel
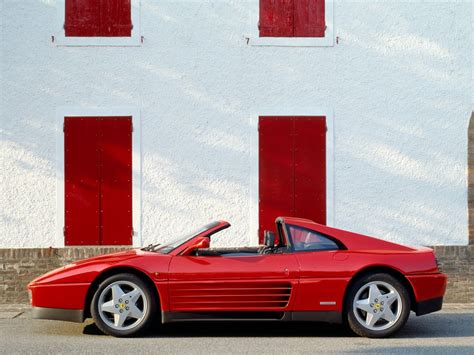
[122,305]
[377,305]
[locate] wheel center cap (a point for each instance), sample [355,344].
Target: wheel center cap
[377,305]
[121,305]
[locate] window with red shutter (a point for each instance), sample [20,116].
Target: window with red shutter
[292,169]
[292,18]
[98,18]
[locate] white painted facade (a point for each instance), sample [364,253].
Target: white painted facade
[398,83]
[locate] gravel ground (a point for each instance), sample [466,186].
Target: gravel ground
[448,331]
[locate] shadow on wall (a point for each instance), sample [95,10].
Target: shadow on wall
[396,176]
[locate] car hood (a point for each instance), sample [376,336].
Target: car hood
[86,269]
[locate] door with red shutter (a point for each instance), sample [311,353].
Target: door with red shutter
[98,180]
[292,169]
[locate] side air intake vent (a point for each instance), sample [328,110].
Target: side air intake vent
[227,295]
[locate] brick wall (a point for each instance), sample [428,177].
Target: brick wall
[19,266]
[458,263]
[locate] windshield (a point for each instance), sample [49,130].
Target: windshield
[169,247]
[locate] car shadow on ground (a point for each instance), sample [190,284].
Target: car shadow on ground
[432,326]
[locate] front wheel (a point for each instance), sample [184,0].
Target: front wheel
[122,305]
[378,306]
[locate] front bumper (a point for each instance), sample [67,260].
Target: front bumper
[70,315]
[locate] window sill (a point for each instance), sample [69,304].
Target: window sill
[62,41]
[327,41]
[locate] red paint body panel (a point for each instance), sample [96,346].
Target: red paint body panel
[292,281]
[292,169]
[428,286]
[98,18]
[233,283]
[292,18]
[98,180]
[69,296]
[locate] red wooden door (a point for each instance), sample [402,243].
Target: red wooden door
[98,180]
[292,169]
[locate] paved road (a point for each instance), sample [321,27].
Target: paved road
[450,331]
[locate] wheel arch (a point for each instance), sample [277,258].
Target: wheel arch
[114,271]
[375,269]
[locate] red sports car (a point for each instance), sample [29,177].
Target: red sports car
[303,272]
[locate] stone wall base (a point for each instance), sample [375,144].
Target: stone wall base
[19,266]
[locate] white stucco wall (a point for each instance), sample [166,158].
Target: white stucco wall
[399,83]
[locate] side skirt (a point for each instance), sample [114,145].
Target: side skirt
[300,316]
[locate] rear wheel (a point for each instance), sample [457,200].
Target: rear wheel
[123,305]
[378,306]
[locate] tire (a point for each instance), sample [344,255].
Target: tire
[123,305]
[377,314]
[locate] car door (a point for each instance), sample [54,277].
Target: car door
[232,283]
[323,277]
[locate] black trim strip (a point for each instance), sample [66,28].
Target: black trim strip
[69,315]
[302,316]
[429,306]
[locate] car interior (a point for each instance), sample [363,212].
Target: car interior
[302,240]
[268,247]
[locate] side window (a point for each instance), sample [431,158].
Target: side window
[304,239]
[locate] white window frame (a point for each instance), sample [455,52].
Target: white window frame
[254,39]
[254,161]
[74,111]
[60,38]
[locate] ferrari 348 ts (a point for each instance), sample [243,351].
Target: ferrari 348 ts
[304,272]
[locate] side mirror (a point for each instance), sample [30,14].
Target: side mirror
[199,243]
[269,239]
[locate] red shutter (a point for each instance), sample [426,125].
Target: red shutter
[310,168]
[81,174]
[292,169]
[98,18]
[116,180]
[82,18]
[292,18]
[276,18]
[275,172]
[117,18]
[309,18]
[98,186]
